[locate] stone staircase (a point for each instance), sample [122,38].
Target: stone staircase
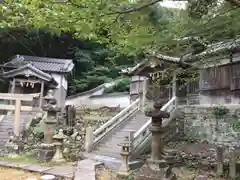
[106,139]
[6,126]
[109,146]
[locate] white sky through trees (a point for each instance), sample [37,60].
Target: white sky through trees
[174,4]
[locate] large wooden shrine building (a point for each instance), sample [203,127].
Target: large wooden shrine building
[30,74]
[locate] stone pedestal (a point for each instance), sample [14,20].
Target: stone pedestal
[156,168]
[47,149]
[46,152]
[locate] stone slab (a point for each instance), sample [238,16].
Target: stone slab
[88,164]
[109,162]
[63,171]
[13,164]
[36,168]
[81,175]
[86,169]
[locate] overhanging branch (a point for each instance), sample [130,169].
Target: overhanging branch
[135,8]
[234,2]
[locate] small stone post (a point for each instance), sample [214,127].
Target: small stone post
[156,167]
[46,149]
[58,157]
[219,152]
[88,139]
[232,163]
[125,153]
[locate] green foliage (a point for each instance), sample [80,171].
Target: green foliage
[104,21]
[38,131]
[220,111]
[109,30]
[236,125]
[121,85]
[190,139]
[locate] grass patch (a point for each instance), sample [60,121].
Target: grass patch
[27,160]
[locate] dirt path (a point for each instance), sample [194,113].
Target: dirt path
[14,174]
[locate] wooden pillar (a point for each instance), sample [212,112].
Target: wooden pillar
[41,95]
[16,127]
[174,88]
[13,84]
[144,92]
[174,84]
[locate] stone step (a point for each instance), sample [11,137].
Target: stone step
[109,145]
[6,126]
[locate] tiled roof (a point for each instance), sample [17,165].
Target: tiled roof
[213,49]
[29,70]
[42,63]
[160,57]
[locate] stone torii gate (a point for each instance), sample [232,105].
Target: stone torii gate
[17,108]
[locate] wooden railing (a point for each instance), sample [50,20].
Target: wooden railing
[99,133]
[143,133]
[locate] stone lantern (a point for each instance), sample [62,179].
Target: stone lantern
[12,147]
[156,168]
[59,138]
[46,149]
[125,153]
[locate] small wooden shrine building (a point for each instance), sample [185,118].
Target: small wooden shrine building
[150,70]
[30,74]
[217,81]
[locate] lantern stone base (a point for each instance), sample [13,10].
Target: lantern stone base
[46,152]
[155,170]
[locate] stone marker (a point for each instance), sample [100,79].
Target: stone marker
[47,177]
[88,139]
[219,152]
[232,163]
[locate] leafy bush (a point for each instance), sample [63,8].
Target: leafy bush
[220,111]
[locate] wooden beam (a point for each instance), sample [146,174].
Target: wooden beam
[28,80]
[13,84]
[23,97]
[12,107]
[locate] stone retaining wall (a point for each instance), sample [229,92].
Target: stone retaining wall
[201,124]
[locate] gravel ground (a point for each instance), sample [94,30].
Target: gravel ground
[14,174]
[181,173]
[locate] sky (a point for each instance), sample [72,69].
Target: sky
[174,4]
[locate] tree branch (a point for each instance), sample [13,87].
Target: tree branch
[77,5]
[136,8]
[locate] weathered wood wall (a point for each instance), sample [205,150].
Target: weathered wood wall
[220,84]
